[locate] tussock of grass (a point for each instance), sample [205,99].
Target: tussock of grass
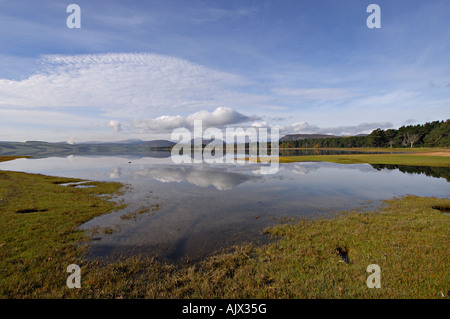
[152,209]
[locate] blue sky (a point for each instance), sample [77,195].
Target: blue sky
[141,69]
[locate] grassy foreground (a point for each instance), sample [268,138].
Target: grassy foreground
[39,238]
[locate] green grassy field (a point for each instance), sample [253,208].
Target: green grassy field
[424,157]
[39,238]
[378,149]
[38,227]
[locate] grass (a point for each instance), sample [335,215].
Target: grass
[376,149]
[38,228]
[140,211]
[39,238]
[435,159]
[10,158]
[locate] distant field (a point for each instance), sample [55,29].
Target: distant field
[380,149]
[424,157]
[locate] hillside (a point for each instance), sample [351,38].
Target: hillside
[295,137]
[46,149]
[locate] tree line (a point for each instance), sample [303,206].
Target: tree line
[426,170]
[432,134]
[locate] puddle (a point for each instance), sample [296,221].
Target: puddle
[343,252]
[30,210]
[78,184]
[444,209]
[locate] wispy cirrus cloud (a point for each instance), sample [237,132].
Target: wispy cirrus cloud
[316,93]
[126,85]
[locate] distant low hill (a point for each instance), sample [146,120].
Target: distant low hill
[295,137]
[206,142]
[158,143]
[153,143]
[46,149]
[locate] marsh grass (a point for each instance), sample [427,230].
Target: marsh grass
[409,158]
[376,149]
[4,158]
[416,158]
[406,237]
[38,228]
[151,210]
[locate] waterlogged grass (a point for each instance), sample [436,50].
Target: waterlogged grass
[38,229]
[393,159]
[140,211]
[406,237]
[10,158]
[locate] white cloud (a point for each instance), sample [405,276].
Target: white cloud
[304,128]
[196,175]
[220,117]
[126,85]
[115,125]
[260,124]
[136,94]
[363,128]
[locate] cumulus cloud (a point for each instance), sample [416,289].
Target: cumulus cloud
[220,117]
[115,125]
[304,128]
[260,124]
[363,128]
[196,175]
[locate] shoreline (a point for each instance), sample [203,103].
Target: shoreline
[438,158]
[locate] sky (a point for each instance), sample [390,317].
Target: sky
[140,69]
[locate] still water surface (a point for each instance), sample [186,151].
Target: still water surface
[204,208]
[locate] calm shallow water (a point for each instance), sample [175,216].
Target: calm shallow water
[203,208]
